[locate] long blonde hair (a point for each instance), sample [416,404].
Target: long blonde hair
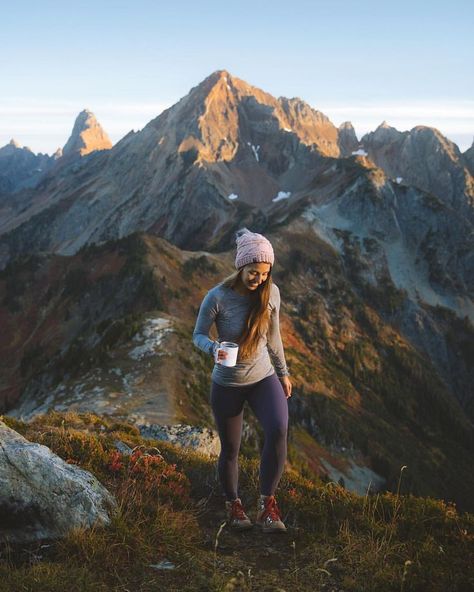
[259,314]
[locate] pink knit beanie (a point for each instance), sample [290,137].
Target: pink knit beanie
[252,248]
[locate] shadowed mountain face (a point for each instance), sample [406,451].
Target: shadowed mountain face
[348,142]
[25,177]
[424,158]
[20,168]
[469,159]
[222,148]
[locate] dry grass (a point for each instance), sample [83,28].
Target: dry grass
[169,509]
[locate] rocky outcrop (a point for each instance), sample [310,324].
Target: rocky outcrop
[59,297]
[43,497]
[348,142]
[311,126]
[202,440]
[86,137]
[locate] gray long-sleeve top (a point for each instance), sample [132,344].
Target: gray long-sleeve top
[229,310]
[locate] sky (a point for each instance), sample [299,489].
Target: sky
[406,62]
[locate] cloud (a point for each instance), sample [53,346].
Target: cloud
[15,106]
[445,110]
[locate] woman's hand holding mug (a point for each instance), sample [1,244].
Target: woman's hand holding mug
[226,353]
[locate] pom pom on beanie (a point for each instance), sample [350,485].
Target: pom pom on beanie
[252,248]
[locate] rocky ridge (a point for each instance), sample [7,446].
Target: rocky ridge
[228,153]
[425,159]
[20,168]
[225,138]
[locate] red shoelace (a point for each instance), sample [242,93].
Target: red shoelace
[271,509]
[237,510]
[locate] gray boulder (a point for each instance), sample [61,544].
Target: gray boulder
[43,497]
[203,440]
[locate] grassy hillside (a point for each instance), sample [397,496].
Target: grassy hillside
[170,509]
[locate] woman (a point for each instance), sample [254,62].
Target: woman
[245,307]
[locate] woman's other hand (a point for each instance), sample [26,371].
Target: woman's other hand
[286,384]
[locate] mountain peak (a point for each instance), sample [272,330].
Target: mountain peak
[348,142]
[87,135]
[222,74]
[224,114]
[346,125]
[383,133]
[217,78]
[11,148]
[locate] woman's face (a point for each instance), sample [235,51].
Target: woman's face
[254,274]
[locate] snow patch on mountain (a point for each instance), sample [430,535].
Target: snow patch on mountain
[282,195]
[255,150]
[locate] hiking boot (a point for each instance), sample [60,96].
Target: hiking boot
[268,515]
[236,517]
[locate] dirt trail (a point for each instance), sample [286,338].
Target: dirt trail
[273,562]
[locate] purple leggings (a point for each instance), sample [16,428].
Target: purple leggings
[267,400]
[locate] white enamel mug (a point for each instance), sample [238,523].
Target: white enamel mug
[232,350]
